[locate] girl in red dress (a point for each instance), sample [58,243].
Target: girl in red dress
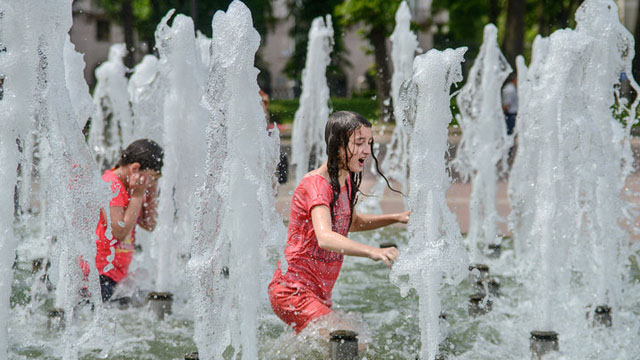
[322,215]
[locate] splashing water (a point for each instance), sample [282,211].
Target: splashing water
[404,45]
[111,123]
[307,135]
[146,91]
[435,245]
[184,123]
[70,181]
[484,143]
[226,318]
[580,171]
[78,89]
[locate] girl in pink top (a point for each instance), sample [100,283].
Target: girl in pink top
[322,214]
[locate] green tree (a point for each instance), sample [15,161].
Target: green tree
[302,12]
[465,26]
[378,18]
[143,16]
[518,21]
[513,40]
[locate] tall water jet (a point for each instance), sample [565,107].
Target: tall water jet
[111,123]
[238,188]
[185,121]
[203,43]
[39,95]
[307,135]
[14,108]
[522,187]
[603,208]
[404,44]
[484,144]
[78,89]
[435,251]
[146,91]
[558,116]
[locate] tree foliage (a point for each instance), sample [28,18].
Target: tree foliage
[467,19]
[378,18]
[148,13]
[302,12]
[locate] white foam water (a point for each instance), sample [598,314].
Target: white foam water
[39,91]
[111,123]
[184,125]
[238,186]
[435,248]
[484,144]
[146,90]
[578,158]
[404,45]
[307,135]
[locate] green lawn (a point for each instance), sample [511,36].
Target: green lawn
[283,111]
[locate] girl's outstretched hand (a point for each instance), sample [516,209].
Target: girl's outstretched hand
[403,217]
[388,255]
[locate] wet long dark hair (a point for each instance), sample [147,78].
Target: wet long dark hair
[340,126]
[145,152]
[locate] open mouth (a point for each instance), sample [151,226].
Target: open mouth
[361,161]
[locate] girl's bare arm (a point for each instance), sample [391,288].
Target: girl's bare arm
[124,219]
[332,241]
[363,222]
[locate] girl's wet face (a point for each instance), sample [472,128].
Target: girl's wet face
[358,149]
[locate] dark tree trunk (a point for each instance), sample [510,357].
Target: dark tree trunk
[494,11]
[383,84]
[635,65]
[155,14]
[127,25]
[514,34]
[543,22]
[194,12]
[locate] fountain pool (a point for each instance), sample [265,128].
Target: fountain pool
[364,288]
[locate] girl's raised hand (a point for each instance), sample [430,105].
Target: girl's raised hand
[403,217]
[387,255]
[138,183]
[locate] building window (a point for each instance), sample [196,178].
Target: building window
[103,32]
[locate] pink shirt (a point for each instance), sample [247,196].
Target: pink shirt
[308,265]
[113,257]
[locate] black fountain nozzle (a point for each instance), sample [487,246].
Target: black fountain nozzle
[388,245]
[192,356]
[542,343]
[494,251]
[225,272]
[343,345]
[602,316]
[160,303]
[56,319]
[479,304]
